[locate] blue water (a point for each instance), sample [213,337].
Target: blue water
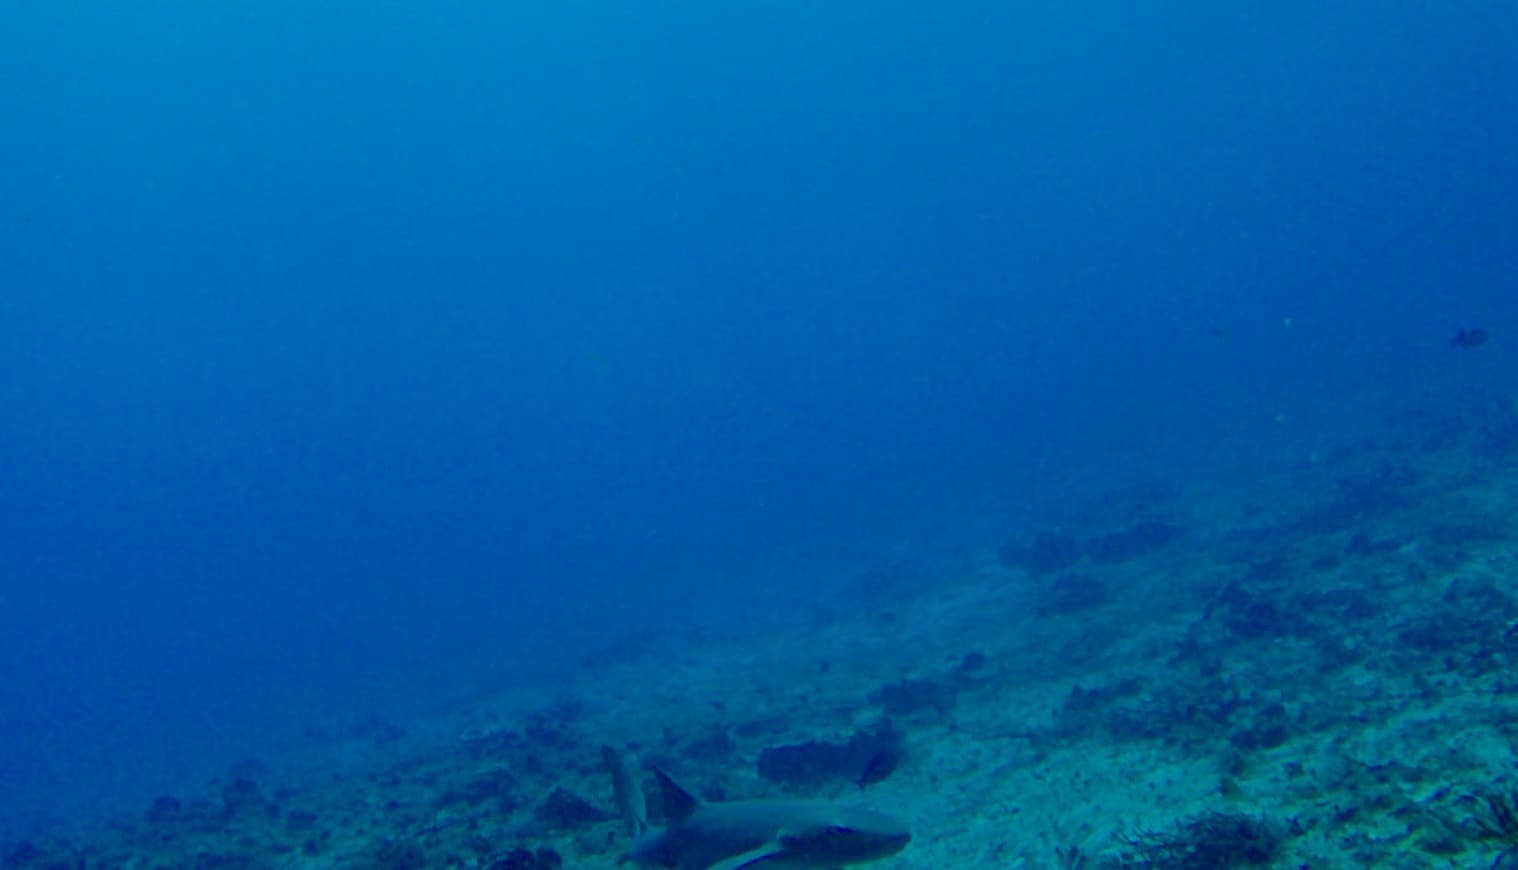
[355,355]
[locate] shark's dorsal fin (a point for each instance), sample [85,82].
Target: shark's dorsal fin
[749,858]
[678,803]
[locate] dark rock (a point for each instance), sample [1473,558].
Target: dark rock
[165,810]
[1183,714]
[1251,615]
[376,729]
[1260,619]
[300,821]
[866,758]
[1361,498]
[1345,604]
[1071,593]
[889,580]
[713,746]
[494,786]
[1131,543]
[1269,729]
[1086,708]
[524,859]
[255,769]
[220,861]
[1433,635]
[314,846]
[1212,840]
[243,798]
[1362,545]
[485,743]
[755,729]
[805,764]
[396,855]
[1273,569]
[22,854]
[1049,552]
[1324,563]
[973,662]
[551,726]
[908,697]
[1478,599]
[564,810]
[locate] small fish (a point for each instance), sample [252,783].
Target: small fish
[878,766]
[1466,339]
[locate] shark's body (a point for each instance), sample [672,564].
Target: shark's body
[760,834]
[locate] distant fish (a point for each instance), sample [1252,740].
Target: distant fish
[1217,331]
[881,764]
[882,753]
[1466,339]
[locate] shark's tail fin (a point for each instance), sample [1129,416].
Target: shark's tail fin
[629,795]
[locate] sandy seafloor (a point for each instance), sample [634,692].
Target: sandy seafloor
[1308,665]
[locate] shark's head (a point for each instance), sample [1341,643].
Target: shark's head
[853,835]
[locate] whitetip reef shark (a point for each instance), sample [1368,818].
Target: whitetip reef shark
[738,835]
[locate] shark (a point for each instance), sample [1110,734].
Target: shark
[749,834]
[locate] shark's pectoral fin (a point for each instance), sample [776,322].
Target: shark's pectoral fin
[751,858]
